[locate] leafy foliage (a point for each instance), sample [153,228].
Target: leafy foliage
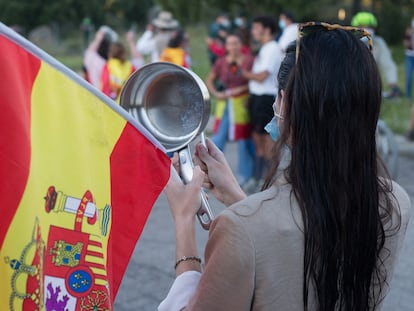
[393,18]
[31,13]
[393,15]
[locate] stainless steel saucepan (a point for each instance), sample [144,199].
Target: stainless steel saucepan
[173,104]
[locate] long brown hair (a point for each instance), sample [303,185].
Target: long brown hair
[332,104]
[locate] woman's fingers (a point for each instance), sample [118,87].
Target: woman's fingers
[198,177]
[175,162]
[203,166]
[174,183]
[184,200]
[214,151]
[207,156]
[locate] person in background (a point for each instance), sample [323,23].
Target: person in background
[326,232]
[136,58]
[409,57]
[157,35]
[118,68]
[242,29]
[382,53]
[96,54]
[232,120]
[289,27]
[263,90]
[177,50]
[409,68]
[217,33]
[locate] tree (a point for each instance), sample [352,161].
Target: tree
[32,13]
[393,16]
[204,10]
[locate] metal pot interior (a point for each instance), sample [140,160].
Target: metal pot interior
[169,102]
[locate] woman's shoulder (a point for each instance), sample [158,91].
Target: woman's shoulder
[403,200]
[275,207]
[253,203]
[399,191]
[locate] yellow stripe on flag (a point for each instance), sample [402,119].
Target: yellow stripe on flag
[76,159]
[77,174]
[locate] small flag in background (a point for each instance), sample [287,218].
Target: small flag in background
[78,178]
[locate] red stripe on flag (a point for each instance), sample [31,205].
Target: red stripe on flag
[18,72]
[139,172]
[87,197]
[95,243]
[96,265]
[94,254]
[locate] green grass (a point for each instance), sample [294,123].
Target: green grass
[74,62]
[198,50]
[395,112]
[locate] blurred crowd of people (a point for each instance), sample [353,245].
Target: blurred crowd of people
[245,60]
[107,64]
[245,55]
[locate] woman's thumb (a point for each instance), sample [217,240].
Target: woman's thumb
[202,153]
[212,153]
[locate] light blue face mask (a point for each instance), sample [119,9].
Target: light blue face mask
[273,129]
[238,22]
[282,24]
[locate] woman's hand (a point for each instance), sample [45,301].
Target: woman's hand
[219,179]
[130,36]
[184,200]
[220,95]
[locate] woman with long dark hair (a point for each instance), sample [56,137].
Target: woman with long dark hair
[325,232]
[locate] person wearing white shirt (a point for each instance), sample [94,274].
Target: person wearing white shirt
[157,35]
[289,29]
[263,89]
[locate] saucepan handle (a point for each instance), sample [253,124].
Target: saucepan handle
[204,214]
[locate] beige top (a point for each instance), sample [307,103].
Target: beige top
[254,255]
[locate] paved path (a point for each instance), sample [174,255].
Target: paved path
[150,272]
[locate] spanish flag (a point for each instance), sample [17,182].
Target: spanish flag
[78,179]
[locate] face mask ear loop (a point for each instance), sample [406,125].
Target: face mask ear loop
[279,114]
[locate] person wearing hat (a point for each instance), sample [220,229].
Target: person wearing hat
[157,35]
[381,52]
